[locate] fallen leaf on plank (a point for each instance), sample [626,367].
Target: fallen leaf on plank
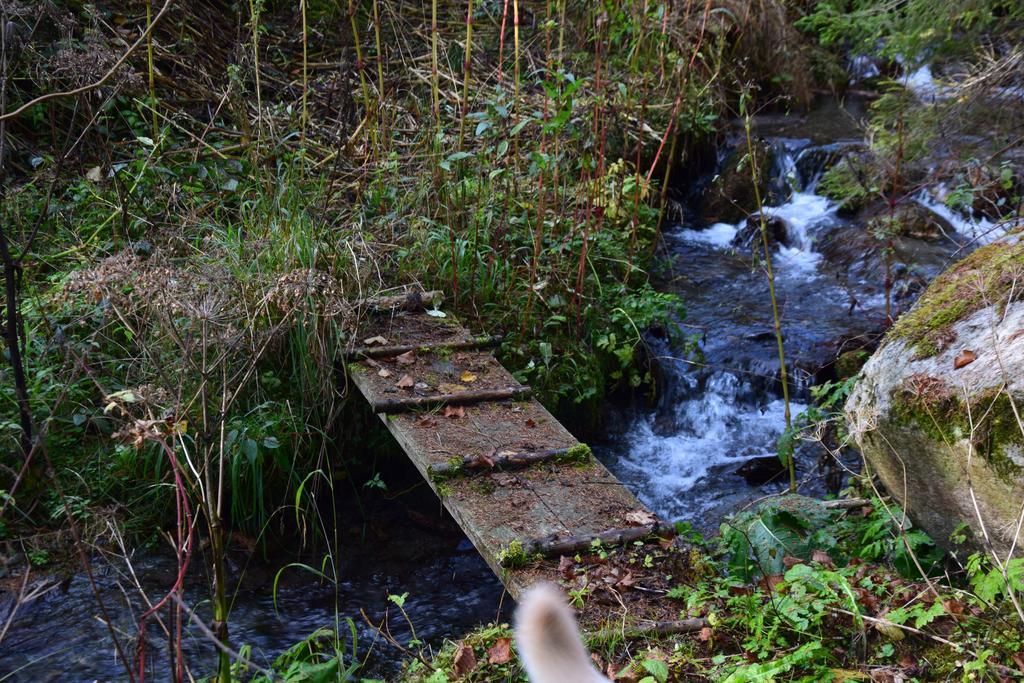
[640,517]
[465,660]
[965,357]
[500,652]
[454,412]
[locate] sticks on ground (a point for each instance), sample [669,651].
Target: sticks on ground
[462,398]
[482,342]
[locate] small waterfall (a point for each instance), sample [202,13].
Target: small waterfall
[977,230]
[714,421]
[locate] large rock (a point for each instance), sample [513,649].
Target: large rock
[937,410]
[749,233]
[732,194]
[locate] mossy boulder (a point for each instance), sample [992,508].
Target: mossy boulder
[851,181]
[749,234]
[907,219]
[937,411]
[731,196]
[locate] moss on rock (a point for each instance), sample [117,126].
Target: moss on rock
[850,362]
[985,278]
[930,405]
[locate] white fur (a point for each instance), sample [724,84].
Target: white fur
[548,641]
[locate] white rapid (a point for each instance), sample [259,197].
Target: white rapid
[723,423]
[714,416]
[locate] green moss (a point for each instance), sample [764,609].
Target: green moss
[579,454]
[846,183]
[983,278]
[849,363]
[441,352]
[513,556]
[930,405]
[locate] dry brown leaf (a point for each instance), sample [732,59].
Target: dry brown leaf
[965,357]
[622,673]
[822,558]
[530,422]
[566,566]
[376,341]
[454,412]
[640,517]
[407,358]
[500,652]
[449,388]
[465,660]
[406,382]
[467,377]
[788,561]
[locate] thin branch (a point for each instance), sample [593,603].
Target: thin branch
[96,84]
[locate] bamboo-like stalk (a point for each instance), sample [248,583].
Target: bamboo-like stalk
[254,18]
[501,43]
[305,69]
[435,88]
[561,33]
[152,78]
[770,273]
[467,69]
[360,66]
[515,47]
[380,62]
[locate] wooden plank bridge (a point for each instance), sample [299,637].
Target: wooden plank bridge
[532,499]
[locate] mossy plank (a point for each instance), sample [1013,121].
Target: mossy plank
[554,499]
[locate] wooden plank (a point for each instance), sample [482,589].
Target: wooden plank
[548,503]
[482,342]
[497,461]
[458,398]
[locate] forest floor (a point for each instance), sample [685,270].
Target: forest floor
[195,214]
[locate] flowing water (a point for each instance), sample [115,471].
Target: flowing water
[721,411]
[407,550]
[680,457]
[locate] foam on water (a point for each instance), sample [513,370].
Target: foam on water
[977,230]
[803,213]
[718,234]
[718,426]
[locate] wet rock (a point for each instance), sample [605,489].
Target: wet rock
[908,219]
[665,424]
[942,435]
[813,162]
[857,258]
[994,192]
[731,195]
[749,233]
[762,469]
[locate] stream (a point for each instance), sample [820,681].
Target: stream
[680,457]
